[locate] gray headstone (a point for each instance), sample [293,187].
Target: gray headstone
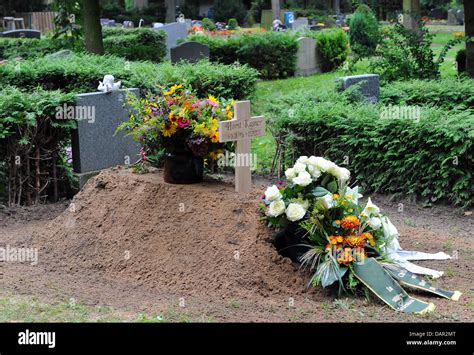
[174,31]
[452,19]
[189,51]
[299,23]
[306,59]
[369,85]
[22,34]
[60,54]
[94,146]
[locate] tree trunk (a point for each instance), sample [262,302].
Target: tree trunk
[469,28]
[276,9]
[337,6]
[170,11]
[92,27]
[411,14]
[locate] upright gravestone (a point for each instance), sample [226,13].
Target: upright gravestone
[369,85]
[94,145]
[174,31]
[306,59]
[189,51]
[300,23]
[21,34]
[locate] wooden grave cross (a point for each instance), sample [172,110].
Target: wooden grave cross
[242,129]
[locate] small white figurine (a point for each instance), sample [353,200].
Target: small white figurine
[108,84]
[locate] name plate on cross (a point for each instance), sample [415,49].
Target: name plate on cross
[242,129]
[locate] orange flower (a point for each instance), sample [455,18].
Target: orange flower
[350,222]
[335,239]
[345,258]
[356,241]
[369,237]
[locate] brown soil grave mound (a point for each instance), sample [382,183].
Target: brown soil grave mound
[184,240]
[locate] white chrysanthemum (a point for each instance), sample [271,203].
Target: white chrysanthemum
[302,159]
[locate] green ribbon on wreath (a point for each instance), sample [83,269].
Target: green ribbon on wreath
[408,278]
[380,282]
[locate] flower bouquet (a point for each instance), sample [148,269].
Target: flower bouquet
[345,242]
[182,125]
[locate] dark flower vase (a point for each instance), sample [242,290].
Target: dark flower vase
[288,242]
[183,168]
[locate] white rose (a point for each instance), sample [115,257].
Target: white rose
[272,193]
[320,163]
[276,208]
[302,159]
[290,174]
[344,174]
[295,212]
[303,179]
[315,173]
[327,201]
[299,167]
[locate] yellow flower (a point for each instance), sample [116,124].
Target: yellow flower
[213,124]
[214,100]
[216,154]
[168,129]
[350,222]
[214,135]
[172,90]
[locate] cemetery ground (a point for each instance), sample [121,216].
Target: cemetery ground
[223,270]
[226,269]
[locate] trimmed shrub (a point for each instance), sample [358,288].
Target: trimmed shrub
[272,54]
[232,24]
[208,24]
[448,94]
[364,31]
[82,73]
[431,158]
[27,47]
[332,47]
[136,44]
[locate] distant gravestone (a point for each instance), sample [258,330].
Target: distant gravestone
[94,145]
[300,23]
[306,59]
[369,85]
[22,34]
[174,31]
[190,52]
[452,19]
[61,54]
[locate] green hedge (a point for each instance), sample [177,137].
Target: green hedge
[272,54]
[131,44]
[432,157]
[27,47]
[136,44]
[332,47]
[82,72]
[449,94]
[28,127]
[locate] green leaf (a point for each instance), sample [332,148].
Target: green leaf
[320,191]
